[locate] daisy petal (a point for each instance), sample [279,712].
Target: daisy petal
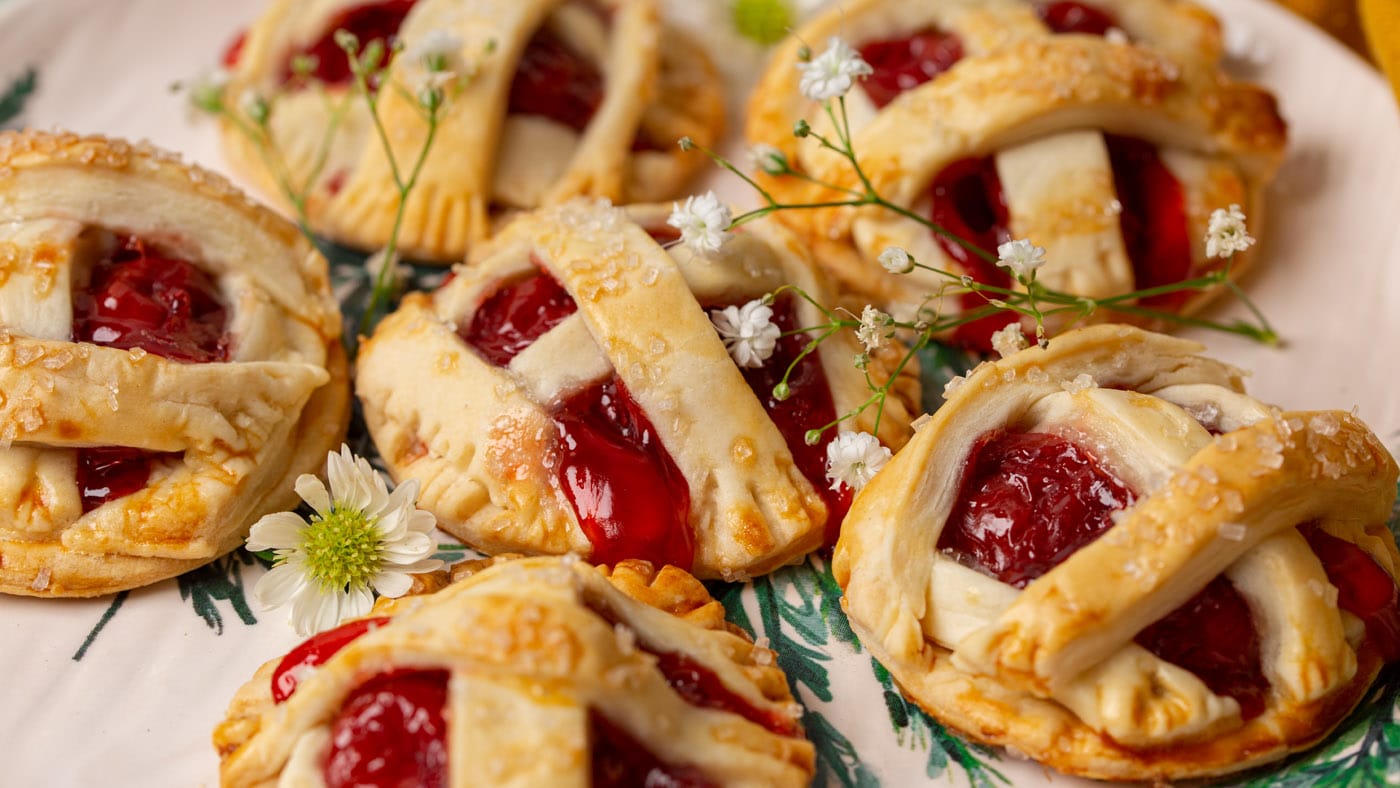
[278,586]
[313,491]
[277,531]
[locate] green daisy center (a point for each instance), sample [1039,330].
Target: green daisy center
[764,21]
[342,549]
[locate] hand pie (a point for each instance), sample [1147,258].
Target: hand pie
[539,671]
[1108,557]
[573,395]
[1007,119]
[583,97]
[170,361]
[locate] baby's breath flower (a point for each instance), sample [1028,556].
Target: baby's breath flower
[1226,233]
[1009,340]
[206,91]
[768,159]
[896,260]
[875,327]
[703,221]
[361,539]
[748,332]
[853,459]
[832,73]
[254,106]
[1021,256]
[438,51]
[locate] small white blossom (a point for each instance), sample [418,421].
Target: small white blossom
[703,221]
[206,91]
[438,51]
[832,73]
[766,158]
[1009,340]
[875,327]
[361,539]
[374,266]
[853,459]
[1226,233]
[748,332]
[1021,256]
[896,260]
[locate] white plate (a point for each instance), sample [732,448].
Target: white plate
[125,691]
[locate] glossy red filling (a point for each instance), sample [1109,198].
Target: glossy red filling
[555,81]
[620,761]
[1153,220]
[1028,501]
[1364,589]
[968,202]
[369,22]
[699,686]
[140,299]
[631,499]
[1073,17]
[512,318]
[809,407]
[391,733]
[314,652]
[900,64]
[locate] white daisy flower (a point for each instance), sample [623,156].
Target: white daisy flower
[875,327]
[1021,256]
[854,458]
[1226,234]
[832,73]
[748,332]
[896,260]
[703,221]
[1009,340]
[362,539]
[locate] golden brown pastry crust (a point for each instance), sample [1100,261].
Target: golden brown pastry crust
[658,83]
[1040,104]
[1051,670]
[479,437]
[246,428]
[550,637]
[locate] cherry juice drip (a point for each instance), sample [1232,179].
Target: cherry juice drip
[1028,501]
[700,687]
[630,498]
[165,306]
[556,82]
[512,318]
[314,652]
[808,407]
[1153,220]
[1364,589]
[967,201]
[369,22]
[1073,17]
[901,64]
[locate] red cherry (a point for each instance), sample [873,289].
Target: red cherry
[391,733]
[315,651]
[900,64]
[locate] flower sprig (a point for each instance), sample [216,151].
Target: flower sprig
[1028,303]
[435,72]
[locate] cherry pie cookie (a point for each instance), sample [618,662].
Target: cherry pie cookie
[1103,131]
[170,360]
[573,395]
[580,97]
[1108,557]
[539,671]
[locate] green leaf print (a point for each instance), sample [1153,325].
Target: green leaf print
[13,101]
[220,581]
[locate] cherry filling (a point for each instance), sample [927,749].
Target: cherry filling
[1072,17]
[369,22]
[1028,501]
[140,299]
[1364,589]
[314,652]
[630,498]
[1153,219]
[700,687]
[512,318]
[620,761]
[808,407]
[900,64]
[555,81]
[968,202]
[391,733]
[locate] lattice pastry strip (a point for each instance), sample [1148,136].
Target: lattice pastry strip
[486,443]
[1066,651]
[1087,146]
[647,85]
[540,652]
[221,440]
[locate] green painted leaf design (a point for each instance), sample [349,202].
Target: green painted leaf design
[16,96]
[220,581]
